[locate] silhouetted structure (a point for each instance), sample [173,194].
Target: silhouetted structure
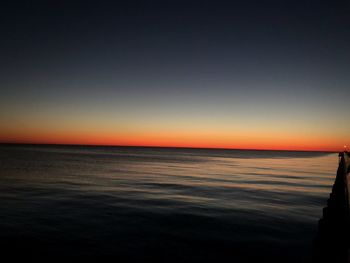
[332,242]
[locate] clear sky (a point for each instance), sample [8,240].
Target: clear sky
[230,74]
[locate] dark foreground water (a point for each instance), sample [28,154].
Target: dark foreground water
[159,204]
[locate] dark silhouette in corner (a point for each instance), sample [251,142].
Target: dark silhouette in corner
[332,241]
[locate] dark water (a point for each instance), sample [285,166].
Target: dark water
[159,204]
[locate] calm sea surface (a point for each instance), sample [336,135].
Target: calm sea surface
[161,204]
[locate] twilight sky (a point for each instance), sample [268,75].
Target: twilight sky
[231,74]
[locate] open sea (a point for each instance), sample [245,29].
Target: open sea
[139,204]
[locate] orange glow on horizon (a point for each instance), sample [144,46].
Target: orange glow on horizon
[263,141]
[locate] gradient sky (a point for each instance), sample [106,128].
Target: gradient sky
[231,74]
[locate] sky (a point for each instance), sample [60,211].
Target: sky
[222,74]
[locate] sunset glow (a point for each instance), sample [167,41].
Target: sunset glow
[214,139]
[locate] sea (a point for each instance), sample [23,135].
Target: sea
[144,204]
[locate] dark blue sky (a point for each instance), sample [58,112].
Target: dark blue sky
[246,62]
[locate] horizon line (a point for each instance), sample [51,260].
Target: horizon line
[155,146]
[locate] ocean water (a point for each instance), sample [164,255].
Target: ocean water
[136,204]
